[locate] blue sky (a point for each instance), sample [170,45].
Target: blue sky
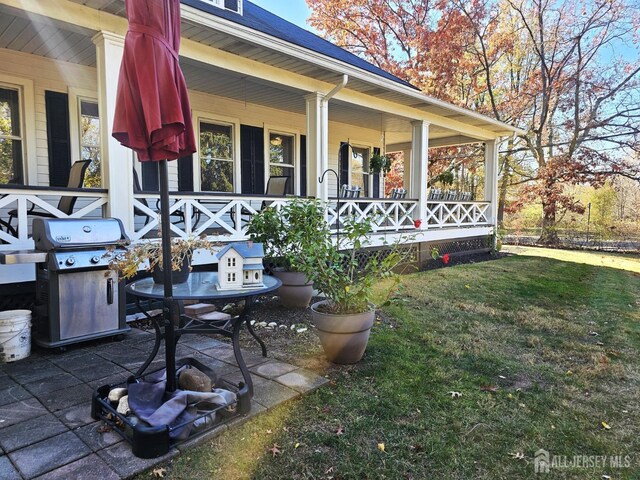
[295,11]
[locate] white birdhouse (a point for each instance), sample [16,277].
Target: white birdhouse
[240,266]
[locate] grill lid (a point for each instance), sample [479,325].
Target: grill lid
[77,233]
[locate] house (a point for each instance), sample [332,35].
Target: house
[268,99]
[240,266]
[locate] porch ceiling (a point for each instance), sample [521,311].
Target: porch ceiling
[46,37]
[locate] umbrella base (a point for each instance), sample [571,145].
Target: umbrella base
[155,441]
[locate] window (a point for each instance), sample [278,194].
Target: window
[246,275]
[231,262]
[10,137]
[231,277]
[90,141]
[360,169]
[282,158]
[216,157]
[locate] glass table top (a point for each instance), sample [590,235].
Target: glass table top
[200,285]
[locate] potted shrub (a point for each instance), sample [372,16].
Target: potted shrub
[149,255]
[286,233]
[345,318]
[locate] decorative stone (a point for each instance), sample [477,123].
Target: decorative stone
[123,406]
[116,394]
[199,309]
[302,330]
[215,316]
[194,380]
[272,325]
[261,324]
[282,326]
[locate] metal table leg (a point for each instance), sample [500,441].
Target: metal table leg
[248,305]
[156,344]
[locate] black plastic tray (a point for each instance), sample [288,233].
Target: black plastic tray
[152,442]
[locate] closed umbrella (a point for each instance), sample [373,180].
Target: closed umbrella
[153,117]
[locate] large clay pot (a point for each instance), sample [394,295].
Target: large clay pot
[344,337]
[177,276]
[295,291]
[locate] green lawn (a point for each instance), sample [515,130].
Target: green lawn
[542,350]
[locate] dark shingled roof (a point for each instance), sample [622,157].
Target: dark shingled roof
[263,21]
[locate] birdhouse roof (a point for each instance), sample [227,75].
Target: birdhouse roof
[244,249]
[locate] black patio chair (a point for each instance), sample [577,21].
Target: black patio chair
[66,203]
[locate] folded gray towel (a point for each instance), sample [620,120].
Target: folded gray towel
[151,403]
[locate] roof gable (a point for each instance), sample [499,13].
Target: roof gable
[266,22]
[244,249]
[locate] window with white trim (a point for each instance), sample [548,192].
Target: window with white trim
[360,169]
[282,157]
[216,157]
[11,140]
[90,141]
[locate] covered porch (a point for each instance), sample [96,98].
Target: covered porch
[260,109]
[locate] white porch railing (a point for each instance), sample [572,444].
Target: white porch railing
[16,203]
[221,217]
[384,214]
[444,214]
[225,217]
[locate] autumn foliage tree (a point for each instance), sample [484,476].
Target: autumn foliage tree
[558,69]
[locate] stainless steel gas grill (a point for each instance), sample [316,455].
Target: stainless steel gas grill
[77,297]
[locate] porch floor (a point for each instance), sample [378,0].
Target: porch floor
[46,429]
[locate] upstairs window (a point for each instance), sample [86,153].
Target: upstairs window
[233,5]
[10,137]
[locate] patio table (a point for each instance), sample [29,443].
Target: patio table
[202,286]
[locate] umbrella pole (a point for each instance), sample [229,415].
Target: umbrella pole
[169,310]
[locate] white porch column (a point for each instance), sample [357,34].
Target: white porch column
[419,166]
[491,179]
[406,178]
[315,147]
[117,161]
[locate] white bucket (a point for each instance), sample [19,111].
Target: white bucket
[15,335]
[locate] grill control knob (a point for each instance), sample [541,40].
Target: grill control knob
[70,261]
[95,259]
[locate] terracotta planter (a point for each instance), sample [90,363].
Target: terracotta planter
[295,291]
[177,276]
[344,337]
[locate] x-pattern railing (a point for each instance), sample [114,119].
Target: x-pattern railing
[457,214]
[384,214]
[16,203]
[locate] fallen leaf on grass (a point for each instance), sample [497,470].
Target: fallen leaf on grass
[269,432]
[297,445]
[606,426]
[329,470]
[159,472]
[517,455]
[455,394]
[275,450]
[488,388]
[417,448]
[381,447]
[340,430]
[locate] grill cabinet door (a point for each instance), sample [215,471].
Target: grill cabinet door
[88,303]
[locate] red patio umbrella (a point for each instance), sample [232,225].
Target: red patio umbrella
[153,116]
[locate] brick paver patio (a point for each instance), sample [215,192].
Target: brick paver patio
[46,429]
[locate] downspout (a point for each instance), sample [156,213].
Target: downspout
[324,139]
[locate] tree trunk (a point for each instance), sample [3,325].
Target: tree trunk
[549,235]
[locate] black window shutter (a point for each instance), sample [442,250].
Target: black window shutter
[344,165]
[376,178]
[150,176]
[57,107]
[252,159]
[185,174]
[303,165]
